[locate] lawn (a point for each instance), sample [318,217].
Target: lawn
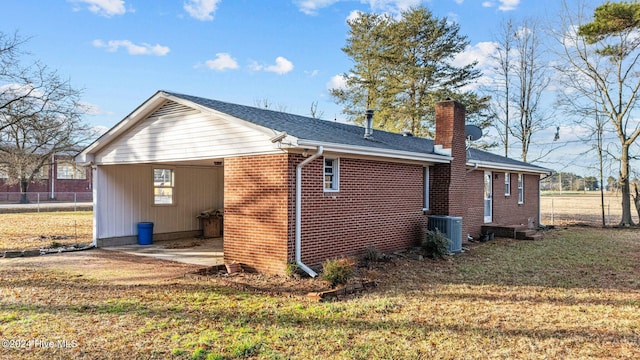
[575,294]
[34,230]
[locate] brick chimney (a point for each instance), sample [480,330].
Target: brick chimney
[449,180]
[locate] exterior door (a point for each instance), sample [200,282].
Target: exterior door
[488,197]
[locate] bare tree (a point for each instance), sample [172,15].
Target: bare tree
[40,115]
[523,76]
[504,69]
[600,67]
[265,103]
[314,112]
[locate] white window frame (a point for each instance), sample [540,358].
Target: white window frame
[507,184]
[161,187]
[69,170]
[520,189]
[425,176]
[335,174]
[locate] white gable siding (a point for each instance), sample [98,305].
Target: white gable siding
[175,133]
[125,198]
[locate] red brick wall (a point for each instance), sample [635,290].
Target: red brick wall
[379,204]
[474,218]
[256,212]
[61,185]
[506,210]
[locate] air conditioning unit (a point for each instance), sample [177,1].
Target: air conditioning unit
[451,227]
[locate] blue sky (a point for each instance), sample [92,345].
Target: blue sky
[243,51]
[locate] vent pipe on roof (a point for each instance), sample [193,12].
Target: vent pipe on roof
[368,126]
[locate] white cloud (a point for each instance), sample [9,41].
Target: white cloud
[132,49]
[458,1]
[99,130]
[355,14]
[508,5]
[337,82]
[201,9]
[222,62]
[392,6]
[312,73]
[105,8]
[505,5]
[92,109]
[480,52]
[311,7]
[282,66]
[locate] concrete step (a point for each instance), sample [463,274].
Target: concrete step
[528,234]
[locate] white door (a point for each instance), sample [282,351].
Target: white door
[488,197]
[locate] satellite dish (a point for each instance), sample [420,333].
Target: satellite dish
[473,132]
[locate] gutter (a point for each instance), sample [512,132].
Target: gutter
[510,167]
[474,168]
[299,212]
[373,151]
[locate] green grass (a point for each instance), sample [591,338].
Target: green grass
[573,295]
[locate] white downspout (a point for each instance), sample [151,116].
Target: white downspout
[95,173]
[299,211]
[53,174]
[474,168]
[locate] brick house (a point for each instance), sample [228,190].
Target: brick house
[295,188]
[59,179]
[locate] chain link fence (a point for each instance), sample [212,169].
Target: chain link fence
[45,201]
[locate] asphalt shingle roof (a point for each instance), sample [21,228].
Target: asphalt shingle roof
[308,128]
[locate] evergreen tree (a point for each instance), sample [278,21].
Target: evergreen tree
[402,67]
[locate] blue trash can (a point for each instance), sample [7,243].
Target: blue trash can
[145,233]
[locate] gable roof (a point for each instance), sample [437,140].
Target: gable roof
[309,132]
[308,128]
[325,131]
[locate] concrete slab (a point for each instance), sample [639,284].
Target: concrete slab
[205,252]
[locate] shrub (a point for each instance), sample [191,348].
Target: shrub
[292,270]
[435,244]
[337,271]
[371,254]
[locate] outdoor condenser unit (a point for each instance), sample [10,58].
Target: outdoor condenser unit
[451,227]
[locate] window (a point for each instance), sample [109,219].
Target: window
[163,184]
[69,170]
[425,177]
[43,173]
[520,189]
[331,174]
[507,184]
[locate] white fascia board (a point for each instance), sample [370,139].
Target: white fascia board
[188,159]
[369,151]
[509,168]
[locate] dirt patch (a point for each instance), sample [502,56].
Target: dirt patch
[104,265]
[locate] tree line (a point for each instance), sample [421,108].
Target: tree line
[403,65]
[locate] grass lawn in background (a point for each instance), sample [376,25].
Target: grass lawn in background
[35,230]
[573,295]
